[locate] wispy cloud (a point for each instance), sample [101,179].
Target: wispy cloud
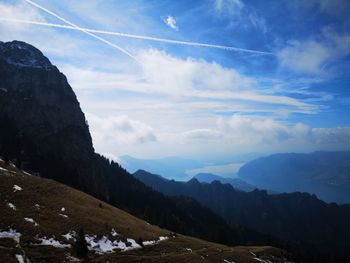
[239,14]
[313,55]
[162,73]
[231,7]
[171,22]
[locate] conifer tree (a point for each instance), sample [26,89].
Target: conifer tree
[81,249]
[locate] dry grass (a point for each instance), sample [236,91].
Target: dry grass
[85,211]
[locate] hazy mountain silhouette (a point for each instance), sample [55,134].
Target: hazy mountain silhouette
[326,174]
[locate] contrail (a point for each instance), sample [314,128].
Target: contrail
[82,29]
[163,40]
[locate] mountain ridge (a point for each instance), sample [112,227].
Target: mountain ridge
[237,183]
[298,218]
[326,174]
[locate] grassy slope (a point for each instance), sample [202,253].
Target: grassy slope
[84,211]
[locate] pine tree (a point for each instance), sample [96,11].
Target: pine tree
[81,249]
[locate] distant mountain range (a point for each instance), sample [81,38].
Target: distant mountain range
[299,218]
[326,174]
[236,183]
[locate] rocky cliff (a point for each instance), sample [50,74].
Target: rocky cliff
[43,113]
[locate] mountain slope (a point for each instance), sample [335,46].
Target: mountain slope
[40,219]
[326,174]
[236,183]
[44,131]
[299,218]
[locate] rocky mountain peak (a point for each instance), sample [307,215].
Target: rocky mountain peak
[21,54]
[47,123]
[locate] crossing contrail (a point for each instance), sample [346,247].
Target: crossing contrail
[82,29]
[163,40]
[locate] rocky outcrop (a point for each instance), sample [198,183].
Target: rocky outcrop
[36,99]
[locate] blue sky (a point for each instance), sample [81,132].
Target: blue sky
[287,90]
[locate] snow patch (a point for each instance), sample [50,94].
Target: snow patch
[149,243]
[17,188]
[70,235]
[153,242]
[26,173]
[12,206]
[188,249]
[104,245]
[20,258]
[228,261]
[37,206]
[114,233]
[52,242]
[133,244]
[63,215]
[63,209]
[262,260]
[31,220]
[10,234]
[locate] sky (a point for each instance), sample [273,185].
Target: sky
[253,76]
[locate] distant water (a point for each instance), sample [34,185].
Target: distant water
[226,170]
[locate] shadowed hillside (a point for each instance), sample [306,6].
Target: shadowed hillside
[41,219]
[298,218]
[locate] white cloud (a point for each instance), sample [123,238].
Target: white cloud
[195,83]
[120,129]
[171,22]
[256,133]
[313,55]
[248,129]
[175,74]
[308,56]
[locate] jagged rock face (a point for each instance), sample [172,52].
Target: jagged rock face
[22,54]
[44,110]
